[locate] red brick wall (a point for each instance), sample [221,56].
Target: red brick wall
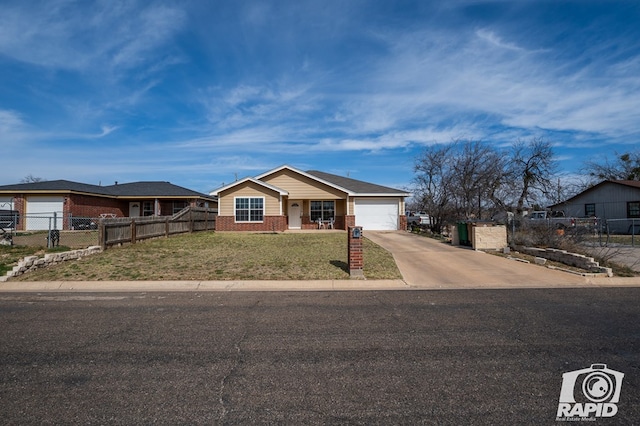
[349,220]
[270,224]
[87,206]
[403,222]
[19,205]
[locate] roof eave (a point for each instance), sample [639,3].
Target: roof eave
[390,194]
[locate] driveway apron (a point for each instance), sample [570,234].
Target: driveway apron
[425,262]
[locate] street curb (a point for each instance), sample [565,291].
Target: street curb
[274,286]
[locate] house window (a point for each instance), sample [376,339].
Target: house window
[178,205]
[249,209]
[590,210]
[633,209]
[147,208]
[324,210]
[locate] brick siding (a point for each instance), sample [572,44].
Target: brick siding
[269,224]
[87,206]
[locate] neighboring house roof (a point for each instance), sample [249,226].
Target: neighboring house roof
[55,185]
[126,190]
[630,183]
[350,186]
[152,189]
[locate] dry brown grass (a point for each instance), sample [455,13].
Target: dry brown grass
[225,256]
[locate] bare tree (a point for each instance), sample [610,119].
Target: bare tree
[531,169]
[31,178]
[458,181]
[625,167]
[479,172]
[434,183]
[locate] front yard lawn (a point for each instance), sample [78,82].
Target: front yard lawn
[225,256]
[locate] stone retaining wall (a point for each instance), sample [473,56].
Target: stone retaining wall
[31,263]
[568,258]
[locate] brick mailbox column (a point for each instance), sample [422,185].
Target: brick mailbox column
[356,262]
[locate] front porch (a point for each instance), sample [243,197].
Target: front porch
[317,214]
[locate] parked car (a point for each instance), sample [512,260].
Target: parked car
[417,219]
[557,219]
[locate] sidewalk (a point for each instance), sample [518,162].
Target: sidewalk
[321,285]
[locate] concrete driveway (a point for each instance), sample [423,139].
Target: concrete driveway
[425,262]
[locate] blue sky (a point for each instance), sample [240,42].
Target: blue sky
[201,92]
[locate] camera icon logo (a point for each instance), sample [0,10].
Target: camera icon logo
[590,392]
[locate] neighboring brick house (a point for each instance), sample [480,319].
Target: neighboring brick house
[287,198]
[67,200]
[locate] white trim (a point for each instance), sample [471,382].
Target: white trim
[264,208]
[378,195]
[280,191]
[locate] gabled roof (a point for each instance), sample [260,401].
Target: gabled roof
[352,187]
[253,180]
[357,187]
[133,189]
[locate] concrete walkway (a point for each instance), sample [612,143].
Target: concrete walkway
[425,264]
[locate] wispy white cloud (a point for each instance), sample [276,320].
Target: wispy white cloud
[252,84]
[495,40]
[80,36]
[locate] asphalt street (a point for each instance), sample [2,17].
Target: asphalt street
[386,357]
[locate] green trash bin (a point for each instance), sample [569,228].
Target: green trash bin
[463,233]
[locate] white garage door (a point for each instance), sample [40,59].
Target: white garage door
[40,209]
[376,214]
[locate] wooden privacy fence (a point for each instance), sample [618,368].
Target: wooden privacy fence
[131,229]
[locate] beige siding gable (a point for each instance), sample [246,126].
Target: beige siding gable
[248,189]
[302,187]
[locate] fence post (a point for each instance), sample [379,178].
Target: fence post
[166,227]
[49,235]
[190,221]
[133,231]
[102,238]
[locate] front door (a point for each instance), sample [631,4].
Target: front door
[295,214]
[134,209]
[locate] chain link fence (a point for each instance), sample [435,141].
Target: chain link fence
[621,232]
[57,230]
[48,231]
[613,240]
[548,233]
